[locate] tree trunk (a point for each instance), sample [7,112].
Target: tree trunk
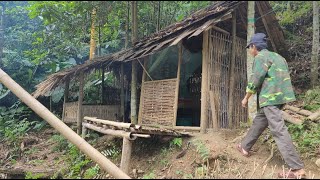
[133,104]
[252,105]
[315,45]
[92,38]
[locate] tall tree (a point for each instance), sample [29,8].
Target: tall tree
[134,118]
[252,106]
[93,32]
[315,45]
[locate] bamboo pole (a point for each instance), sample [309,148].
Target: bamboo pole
[122,92]
[177,86]
[291,119]
[298,110]
[62,128]
[80,100]
[141,94]
[65,100]
[314,116]
[204,84]
[112,123]
[126,155]
[231,72]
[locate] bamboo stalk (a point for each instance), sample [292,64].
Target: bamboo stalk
[80,99]
[290,119]
[126,155]
[231,71]
[298,110]
[62,128]
[119,133]
[112,123]
[204,84]
[65,99]
[177,85]
[314,116]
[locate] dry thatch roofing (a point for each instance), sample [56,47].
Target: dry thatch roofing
[199,21]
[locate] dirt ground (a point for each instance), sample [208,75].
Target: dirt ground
[212,155]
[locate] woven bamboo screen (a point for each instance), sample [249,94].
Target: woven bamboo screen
[107,112]
[220,47]
[158,100]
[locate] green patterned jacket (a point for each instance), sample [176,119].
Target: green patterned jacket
[271,79]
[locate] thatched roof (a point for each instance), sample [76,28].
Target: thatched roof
[218,14]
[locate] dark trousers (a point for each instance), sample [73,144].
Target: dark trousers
[271,116]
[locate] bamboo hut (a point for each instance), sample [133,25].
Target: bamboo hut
[191,73]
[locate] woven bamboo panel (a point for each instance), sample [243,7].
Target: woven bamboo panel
[108,112]
[220,47]
[158,100]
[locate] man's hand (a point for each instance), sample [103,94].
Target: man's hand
[244,102]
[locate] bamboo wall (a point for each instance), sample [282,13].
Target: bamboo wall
[219,55]
[108,112]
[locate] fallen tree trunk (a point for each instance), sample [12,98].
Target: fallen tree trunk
[298,110]
[291,119]
[314,116]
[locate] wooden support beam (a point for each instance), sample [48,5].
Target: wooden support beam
[204,83]
[231,71]
[126,155]
[266,26]
[65,99]
[80,100]
[177,85]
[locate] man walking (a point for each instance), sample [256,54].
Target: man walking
[270,79]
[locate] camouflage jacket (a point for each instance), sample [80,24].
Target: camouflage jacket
[270,78]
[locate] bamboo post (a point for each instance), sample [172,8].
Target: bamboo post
[231,71]
[66,96]
[84,132]
[102,87]
[80,99]
[141,94]
[62,128]
[126,155]
[252,102]
[174,123]
[204,84]
[122,91]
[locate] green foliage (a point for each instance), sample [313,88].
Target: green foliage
[306,136]
[202,150]
[62,143]
[311,99]
[91,172]
[176,142]
[30,175]
[112,152]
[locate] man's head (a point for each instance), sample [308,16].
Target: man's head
[257,42]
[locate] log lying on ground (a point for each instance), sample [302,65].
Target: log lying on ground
[286,116]
[314,116]
[298,110]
